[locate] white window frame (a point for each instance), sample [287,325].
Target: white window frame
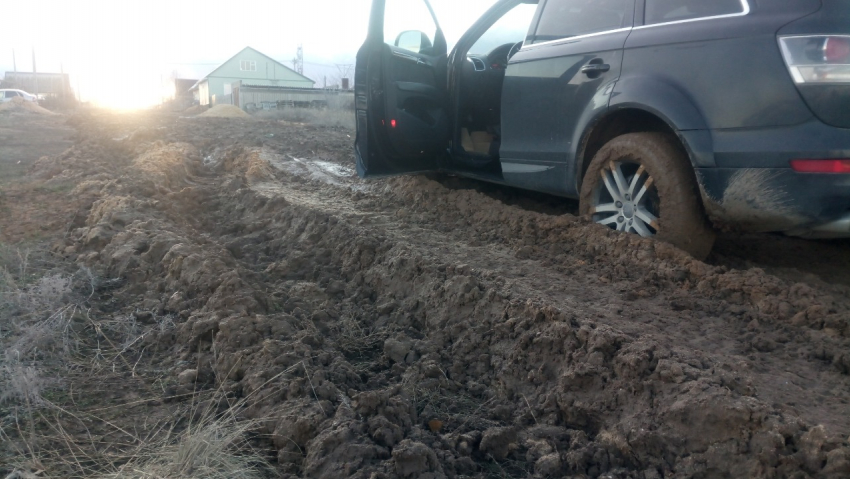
[575,38]
[560,41]
[531,46]
[247,65]
[745,5]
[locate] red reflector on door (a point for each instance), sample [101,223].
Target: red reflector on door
[821,166]
[392,123]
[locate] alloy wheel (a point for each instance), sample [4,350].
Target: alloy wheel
[626,199]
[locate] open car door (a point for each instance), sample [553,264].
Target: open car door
[400,91]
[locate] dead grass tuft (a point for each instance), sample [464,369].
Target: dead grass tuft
[356,340]
[53,344]
[20,383]
[214,447]
[38,316]
[35,324]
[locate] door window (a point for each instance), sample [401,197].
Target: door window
[511,28]
[403,20]
[570,18]
[662,11]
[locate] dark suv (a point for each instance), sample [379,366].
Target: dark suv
[665,118]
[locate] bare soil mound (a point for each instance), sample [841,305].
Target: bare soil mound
[225,111]
[195,109]
[416,327]
[20,105]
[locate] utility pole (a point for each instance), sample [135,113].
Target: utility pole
[14,61]
[298,61]
[34,73]
[62,79]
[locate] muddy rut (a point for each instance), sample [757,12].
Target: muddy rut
[438,327]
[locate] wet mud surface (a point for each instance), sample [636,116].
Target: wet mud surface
[433,326]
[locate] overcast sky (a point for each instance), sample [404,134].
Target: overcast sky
[117,51]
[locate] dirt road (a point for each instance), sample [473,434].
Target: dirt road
[440,327]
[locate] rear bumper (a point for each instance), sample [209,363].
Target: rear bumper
[753,187]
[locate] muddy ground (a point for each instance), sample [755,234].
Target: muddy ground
[425,326]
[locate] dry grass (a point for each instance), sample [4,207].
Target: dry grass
[194,442]
[21,383]
[333,117]
[358,340]
[214,447]
[35,317]
[56,355]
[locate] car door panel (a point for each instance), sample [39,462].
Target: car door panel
[417,104]
[551,90]
[402,124]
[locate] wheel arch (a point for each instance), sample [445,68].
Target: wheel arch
[623,119]
[646,104]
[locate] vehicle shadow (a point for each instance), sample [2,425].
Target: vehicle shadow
[784,256]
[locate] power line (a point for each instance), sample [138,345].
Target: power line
[344,69]
[319,64]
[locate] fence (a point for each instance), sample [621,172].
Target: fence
[262,97]
[222,100]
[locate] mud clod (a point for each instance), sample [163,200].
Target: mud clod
[414,459]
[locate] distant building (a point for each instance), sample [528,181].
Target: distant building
[184,90]
[251,67]
[43,84]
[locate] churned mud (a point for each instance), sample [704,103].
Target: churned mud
[435,327]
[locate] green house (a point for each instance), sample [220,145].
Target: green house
[252,68]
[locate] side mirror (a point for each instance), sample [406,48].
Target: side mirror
[413,41]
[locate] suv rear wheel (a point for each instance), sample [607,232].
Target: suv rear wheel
[643,183]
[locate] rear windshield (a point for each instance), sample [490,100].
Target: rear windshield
[662,11]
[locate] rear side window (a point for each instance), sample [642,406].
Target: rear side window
[663,11]
[570,18]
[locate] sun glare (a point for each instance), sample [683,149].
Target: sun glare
[131,94]
[121,54]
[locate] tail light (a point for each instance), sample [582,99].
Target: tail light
[817,58]
[821,166]
[836,49]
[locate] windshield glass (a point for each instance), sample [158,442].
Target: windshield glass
[511,28]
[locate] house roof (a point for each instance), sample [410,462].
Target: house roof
[240,52]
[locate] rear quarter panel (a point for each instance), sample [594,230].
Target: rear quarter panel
[831,103]
[729,71]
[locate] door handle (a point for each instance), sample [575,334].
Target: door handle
[592,68]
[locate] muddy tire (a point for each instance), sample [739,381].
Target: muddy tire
[643,183]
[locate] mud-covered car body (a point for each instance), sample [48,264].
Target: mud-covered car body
[756,91]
